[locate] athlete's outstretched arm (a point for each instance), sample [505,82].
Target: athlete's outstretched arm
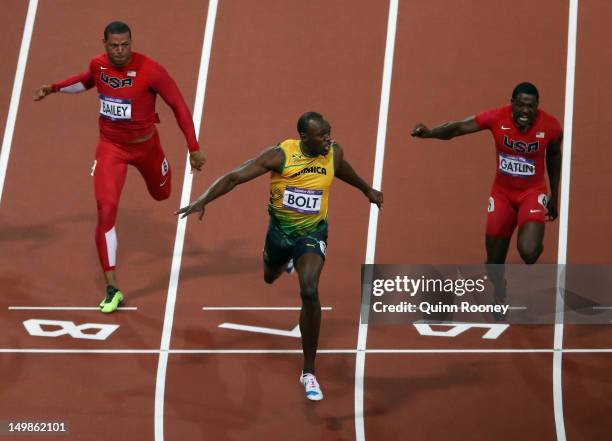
[75,84]
[553,166]
[345,172]
[272,158]
[447,130]
[163,83]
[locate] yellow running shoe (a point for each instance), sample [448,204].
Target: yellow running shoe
[111,302]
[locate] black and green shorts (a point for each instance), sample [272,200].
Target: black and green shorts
[280,247]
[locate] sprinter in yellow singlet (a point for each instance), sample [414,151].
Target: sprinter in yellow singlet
[301,172]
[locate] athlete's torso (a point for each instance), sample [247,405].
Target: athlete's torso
[127,99]
[520,157]
[299,194]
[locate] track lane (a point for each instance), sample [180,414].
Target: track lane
[11,35]
[48,210]
[450,64]
[585,376]
[272,61]
[99,397]
[258,86]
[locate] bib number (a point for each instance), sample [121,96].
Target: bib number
[302,200]
[115,109]
[516,166]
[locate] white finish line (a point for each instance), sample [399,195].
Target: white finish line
[66,308]
[259,308]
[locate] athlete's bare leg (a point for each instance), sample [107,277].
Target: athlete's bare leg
[309,267]
[271,273]
[497,250]
[110,278]
[530,241]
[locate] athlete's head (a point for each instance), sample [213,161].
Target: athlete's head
[525,100]
[315,132]
[118,43]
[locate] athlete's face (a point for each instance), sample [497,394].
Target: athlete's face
[317,137]
[119,49]
[524,110]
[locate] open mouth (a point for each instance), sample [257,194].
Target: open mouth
[523,119]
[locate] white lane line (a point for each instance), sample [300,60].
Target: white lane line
[66,308]
[570,71]
[300,352]
[295,332]
[379,160]
[198,108]
[16,94]
[259,308]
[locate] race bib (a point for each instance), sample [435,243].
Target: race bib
[115,109]
[516,166]
[302,200]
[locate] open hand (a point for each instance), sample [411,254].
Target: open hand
[197,206]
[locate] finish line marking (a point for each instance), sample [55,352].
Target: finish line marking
[299,351]
[259,308]
[66,308]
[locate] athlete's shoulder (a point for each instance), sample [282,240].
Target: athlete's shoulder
[490,117]
[550,123]
[140,61]
[98,61]
[289,144]
[549,118]
[151,67]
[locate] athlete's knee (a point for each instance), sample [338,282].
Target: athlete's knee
[161,197]
[162,194]
[530,250]
[310,295]
[271,273]
[107,213]
[269,278]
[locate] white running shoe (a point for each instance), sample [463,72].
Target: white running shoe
[290,267]
[313,390]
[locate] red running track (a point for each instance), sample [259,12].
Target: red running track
[272,60]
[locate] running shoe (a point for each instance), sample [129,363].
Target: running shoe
[313,390]
[111,302]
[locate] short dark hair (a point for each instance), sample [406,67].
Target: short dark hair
[116,27]
[526,88]
[304,120]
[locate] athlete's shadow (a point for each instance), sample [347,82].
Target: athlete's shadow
[37,234]
[220,261]
[144,239]
[392,392]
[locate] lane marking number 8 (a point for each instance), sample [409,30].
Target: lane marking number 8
[35,328]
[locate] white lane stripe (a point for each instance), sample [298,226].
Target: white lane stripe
[373,221]
[259,308]
[300,351]
[160,383]
[564,218]
[16,94]
[66,308]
